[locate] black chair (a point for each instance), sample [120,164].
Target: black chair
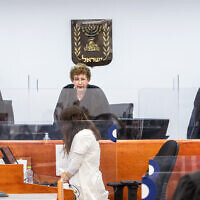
[6,118]
[122,110]
[104,121]
[7,109]
[165,159]
[1,99]
[24,133]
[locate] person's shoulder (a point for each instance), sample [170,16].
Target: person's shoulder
[85,133]
[95,88]
[97,91]
[69,86]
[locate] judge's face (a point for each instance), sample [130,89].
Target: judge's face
[80,81]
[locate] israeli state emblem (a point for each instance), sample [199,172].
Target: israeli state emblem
[91,41]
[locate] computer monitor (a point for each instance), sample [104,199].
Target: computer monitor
[155,128]
[144,128]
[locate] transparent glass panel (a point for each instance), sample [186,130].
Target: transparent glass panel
[142,114]
[163,183]
[174,106]
[28,114]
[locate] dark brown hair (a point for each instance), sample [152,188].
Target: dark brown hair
[73,120]
[80,68]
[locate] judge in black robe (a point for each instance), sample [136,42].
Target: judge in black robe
[89,97]
[94,102]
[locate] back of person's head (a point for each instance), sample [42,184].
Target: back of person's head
[73,120]
[188,187]
[80,68]
[73,113]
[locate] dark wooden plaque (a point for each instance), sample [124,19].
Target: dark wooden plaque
[91,41]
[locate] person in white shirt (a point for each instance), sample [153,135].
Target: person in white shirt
[81,145]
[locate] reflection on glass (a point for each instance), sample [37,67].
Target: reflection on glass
[156,114]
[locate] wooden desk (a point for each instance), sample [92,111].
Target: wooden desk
[39,196]
[12,182]
[126,159]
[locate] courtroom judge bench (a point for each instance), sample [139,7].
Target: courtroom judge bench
[125,159]
[128,129]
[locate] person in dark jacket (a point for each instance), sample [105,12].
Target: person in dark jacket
[193,131]
[188,187]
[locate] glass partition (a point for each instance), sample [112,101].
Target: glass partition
[174,106]
[28,114]
[164,183]
[140,114]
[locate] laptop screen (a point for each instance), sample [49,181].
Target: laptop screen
[144,128]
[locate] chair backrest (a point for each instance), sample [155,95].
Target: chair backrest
[169,148]
[166,159]
[122,110]
[1,99]
[7,109]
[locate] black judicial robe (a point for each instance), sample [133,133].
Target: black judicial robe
[94,101]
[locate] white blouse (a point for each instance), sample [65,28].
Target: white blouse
[83,164]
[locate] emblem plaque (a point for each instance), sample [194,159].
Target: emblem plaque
[91,41]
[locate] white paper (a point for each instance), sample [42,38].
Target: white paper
[39,196]
[24,162]
[1,162]
[61,160]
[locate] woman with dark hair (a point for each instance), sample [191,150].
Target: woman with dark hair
[81,145]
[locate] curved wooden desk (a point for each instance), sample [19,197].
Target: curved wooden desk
[12,182]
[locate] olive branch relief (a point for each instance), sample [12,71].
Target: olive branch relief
[106,47]
[77,42]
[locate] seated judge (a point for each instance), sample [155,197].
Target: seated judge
[89,97]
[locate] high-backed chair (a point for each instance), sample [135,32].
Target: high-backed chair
[122,110]
[165,160]
[6,117]
[7,111]
[1,96]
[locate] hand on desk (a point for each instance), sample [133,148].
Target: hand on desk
[65,176]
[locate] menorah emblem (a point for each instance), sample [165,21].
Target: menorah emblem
[91,31]
[92,41]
